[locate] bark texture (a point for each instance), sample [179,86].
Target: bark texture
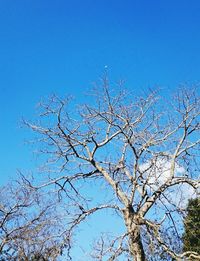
[133,224]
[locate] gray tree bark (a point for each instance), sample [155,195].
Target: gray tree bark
[133,224]
[136,247]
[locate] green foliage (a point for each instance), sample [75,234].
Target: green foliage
[191,238]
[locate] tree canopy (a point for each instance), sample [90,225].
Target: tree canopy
[140,151]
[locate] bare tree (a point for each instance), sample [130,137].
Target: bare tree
[146,153]
[29,225]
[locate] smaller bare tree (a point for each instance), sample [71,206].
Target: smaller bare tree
[30,227]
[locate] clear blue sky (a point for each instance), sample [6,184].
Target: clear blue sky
[62,47]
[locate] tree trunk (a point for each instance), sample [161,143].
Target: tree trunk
[133,225]
[136,247]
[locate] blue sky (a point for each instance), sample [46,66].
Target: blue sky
[62,47]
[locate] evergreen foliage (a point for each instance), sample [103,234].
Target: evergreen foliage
[191,238]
